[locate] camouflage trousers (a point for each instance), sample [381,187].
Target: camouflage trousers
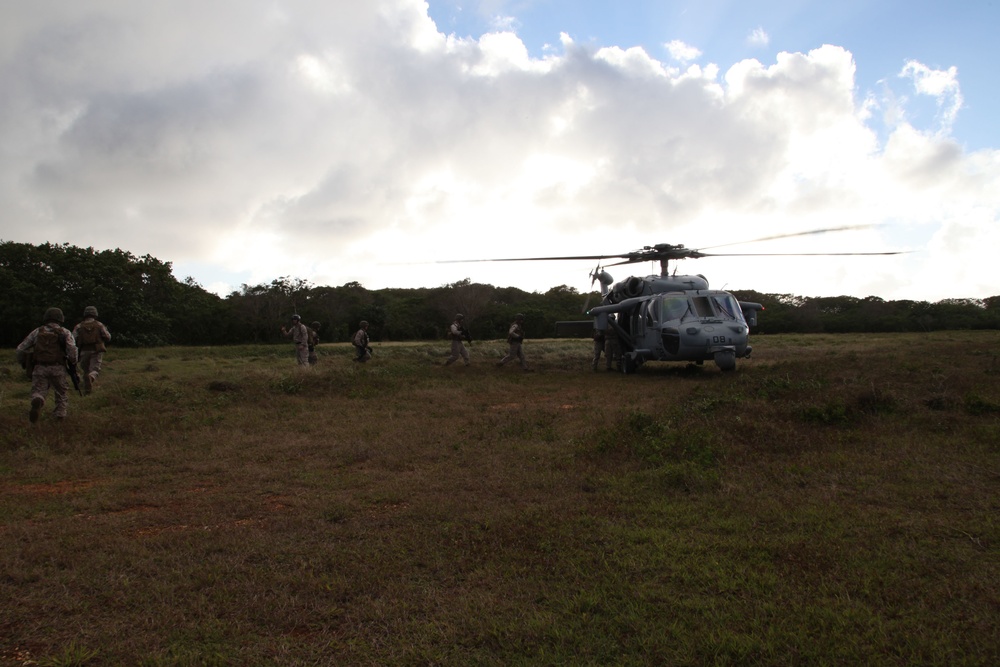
[90,367]
[302,355]
[612,352]
[598,349]
[515,352]
[458,350]
[51,375]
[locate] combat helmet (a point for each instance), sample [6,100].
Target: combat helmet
[90,311]
[53,315]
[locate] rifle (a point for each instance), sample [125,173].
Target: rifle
[27,361]
[467,335]
[71,370]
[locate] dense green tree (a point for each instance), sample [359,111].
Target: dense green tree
[143,304]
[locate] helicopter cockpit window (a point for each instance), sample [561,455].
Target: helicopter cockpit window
[652,310]
[702,306]
[726,305]
[673,307]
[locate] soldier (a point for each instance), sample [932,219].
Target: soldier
[53,352]
[612,350]
[456,332]
[599,340]
[313,331]
[360,343]
[299,334]
[91,338]
[515,337]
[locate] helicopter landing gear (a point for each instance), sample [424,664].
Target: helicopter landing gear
[726,360]
[628,364]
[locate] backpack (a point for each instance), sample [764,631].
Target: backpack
[89,333]
[49,347]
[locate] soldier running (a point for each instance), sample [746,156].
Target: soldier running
[91,337]
[515,337]
[52,350]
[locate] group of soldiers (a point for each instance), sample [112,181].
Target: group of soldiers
[459,334]
[306,338]
[51,353]
[611,348]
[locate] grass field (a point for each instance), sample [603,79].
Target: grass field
[832,502]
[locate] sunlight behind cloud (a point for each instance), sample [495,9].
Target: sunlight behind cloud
[326,140]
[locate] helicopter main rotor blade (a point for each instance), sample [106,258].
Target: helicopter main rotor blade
[699,254]
[526,259]
[793,235]
[799,254]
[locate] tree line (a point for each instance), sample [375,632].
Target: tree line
[145,305]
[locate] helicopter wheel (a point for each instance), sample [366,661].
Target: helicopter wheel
[726,360]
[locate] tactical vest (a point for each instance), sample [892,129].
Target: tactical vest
[88,333]
[49,347]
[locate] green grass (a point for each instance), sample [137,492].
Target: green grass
[833,502]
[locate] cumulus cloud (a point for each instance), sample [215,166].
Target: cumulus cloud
[339,142]
[682,52]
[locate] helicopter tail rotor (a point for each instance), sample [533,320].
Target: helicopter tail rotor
[593,279]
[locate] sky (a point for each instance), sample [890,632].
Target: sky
[337,141]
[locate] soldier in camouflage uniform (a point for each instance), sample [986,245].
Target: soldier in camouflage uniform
[51,348]
[313,331]
[360,342]
[299,334]
[612,350]
[599,339]
[91,338]
[457,332]
[515,337]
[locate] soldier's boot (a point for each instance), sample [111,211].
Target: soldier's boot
[36,408]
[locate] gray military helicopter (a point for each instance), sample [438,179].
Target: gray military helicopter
[670,317]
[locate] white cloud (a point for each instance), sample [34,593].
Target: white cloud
[344,141]
[758,37]
[682,52]
[939,84]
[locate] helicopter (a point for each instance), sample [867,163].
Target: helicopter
[670,317]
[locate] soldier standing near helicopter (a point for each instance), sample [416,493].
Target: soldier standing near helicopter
[612,350]
[599,342]
[515,337]
[457,332]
